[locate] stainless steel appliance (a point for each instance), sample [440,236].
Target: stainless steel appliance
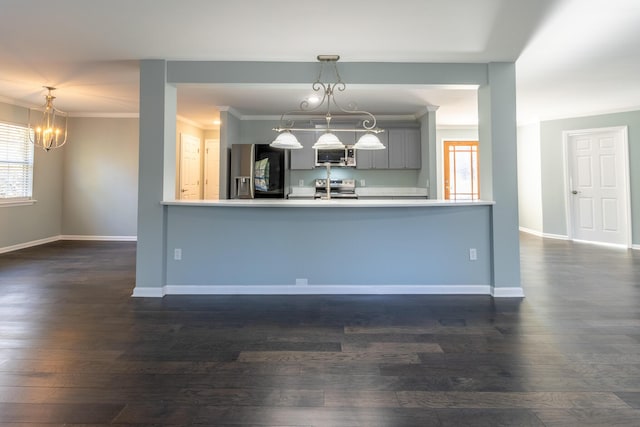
[338,188]
[257,171]
[337,157]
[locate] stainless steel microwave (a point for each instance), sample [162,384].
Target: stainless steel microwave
[338,157]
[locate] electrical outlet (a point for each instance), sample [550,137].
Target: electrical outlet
[177,254]
[302,281]
[473,254]
[362,183]
[301,183]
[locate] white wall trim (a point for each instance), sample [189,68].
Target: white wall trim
[90,115]
[148,292]
[531,231]
[66,237]
[316,290]
[510,292]
[636,247]
[555,236]
[29,244]
[99,238]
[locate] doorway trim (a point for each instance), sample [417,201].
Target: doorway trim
[624,136]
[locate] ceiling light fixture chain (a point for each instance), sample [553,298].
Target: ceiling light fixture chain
[369,141]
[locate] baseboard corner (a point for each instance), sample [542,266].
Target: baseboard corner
[507,292]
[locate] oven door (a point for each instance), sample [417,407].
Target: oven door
[334,157]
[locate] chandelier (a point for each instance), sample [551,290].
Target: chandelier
[50,131]
[327,102]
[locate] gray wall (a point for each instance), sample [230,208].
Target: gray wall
[100,177]
[551,154]
[229,135]
[20,225]
[382,246]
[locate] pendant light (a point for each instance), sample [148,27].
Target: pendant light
[50,131]
[369,141]
[286,140]
[328,140]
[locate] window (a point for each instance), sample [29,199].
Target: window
[16,163]
[461,178]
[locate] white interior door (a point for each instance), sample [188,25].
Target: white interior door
[189,167]
[212,169]
[599,186]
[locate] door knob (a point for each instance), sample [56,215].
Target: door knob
[574,192]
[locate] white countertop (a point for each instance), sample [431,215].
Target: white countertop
[333,203]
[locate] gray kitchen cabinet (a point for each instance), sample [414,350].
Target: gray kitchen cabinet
[303,158]
[347,138]
[404,148]
[374,159]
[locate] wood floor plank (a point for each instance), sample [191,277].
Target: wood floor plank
[488,418]
[361,399]
[337,357]
[528,400]
[589,417]
[58,413]
[399,348]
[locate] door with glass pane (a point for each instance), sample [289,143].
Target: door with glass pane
[461,177]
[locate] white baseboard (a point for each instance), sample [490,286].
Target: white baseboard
[316,290]
[99,238]
[67,237]
[636,247]
[148,292]
[541,234]
[29,244]
[512,292]
[555,236]
[531,231]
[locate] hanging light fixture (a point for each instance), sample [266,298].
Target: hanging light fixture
[286,140]
[328,140]
[50,131]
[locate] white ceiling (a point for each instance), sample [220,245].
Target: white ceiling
[574,57]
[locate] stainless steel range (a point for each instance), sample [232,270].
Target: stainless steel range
[339,189]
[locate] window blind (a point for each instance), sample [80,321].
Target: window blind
[16,162]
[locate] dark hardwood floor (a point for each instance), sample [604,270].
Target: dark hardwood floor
[76,349]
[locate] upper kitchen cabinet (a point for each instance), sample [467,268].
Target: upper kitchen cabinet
[304,158]
[404,148]
[374,159]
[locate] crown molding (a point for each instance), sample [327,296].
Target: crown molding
[105,115]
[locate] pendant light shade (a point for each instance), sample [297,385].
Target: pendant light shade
[286,140]
[369,141]
[328,141]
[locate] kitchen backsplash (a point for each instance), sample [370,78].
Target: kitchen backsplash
[372,178]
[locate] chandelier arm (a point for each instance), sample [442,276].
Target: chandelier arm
[369,123]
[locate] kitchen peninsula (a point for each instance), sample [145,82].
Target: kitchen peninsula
[378,246]
[261,246]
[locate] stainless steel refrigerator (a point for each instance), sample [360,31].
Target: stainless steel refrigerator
[257,171]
